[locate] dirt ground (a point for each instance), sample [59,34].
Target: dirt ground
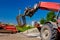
[17,36]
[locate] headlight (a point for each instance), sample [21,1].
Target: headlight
[35,6]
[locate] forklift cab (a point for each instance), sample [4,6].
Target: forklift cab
[58,18]
[58,21]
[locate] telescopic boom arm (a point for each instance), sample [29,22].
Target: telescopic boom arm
[41,5]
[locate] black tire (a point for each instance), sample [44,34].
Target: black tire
[58,38]
[48,32]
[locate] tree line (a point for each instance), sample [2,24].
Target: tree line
[50,17]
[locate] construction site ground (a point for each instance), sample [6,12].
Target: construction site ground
[17,36]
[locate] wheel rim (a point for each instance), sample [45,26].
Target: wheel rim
[45,34]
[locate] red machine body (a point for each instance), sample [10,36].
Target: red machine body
[8,28]
[49,6]
[11,28]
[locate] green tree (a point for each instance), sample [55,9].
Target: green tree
[51,16]
[42,21]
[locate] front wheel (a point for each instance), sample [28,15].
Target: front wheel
[48,32]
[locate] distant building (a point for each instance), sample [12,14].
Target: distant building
[33,23]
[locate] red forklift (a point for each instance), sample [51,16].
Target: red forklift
[48,31]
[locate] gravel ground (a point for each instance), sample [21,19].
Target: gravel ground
[17,36]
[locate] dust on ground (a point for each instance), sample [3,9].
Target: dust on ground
[17,36]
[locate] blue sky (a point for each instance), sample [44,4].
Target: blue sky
[9,10]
